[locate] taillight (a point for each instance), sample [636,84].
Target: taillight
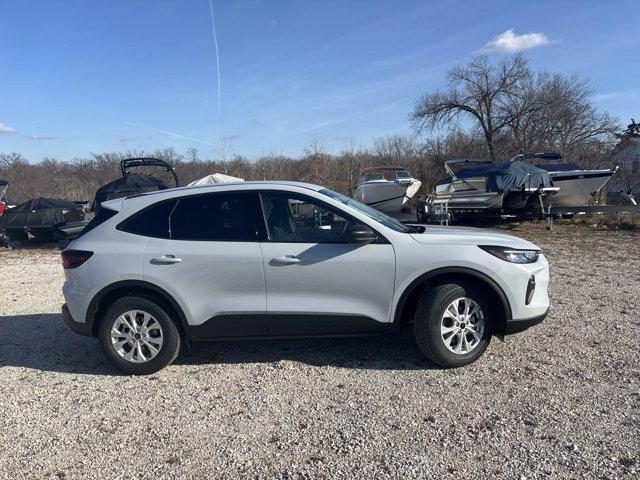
[74,258]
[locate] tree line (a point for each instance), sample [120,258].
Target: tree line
[488,110]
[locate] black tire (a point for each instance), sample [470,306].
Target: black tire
[427,322]
[170,344]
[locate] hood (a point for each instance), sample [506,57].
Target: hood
[470,236]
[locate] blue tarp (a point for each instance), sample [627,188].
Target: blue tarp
[508,176]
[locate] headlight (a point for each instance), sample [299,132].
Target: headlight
[512,255]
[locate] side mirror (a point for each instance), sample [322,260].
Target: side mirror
[361,235]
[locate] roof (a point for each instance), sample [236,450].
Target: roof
[247,185]
[381,168]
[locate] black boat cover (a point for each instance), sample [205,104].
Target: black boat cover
[131,184]
[39,212]
[3,183]
[508,176]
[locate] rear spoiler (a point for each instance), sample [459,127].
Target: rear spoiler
[114,205]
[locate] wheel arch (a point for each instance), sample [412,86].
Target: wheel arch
[408,299]
[100,302]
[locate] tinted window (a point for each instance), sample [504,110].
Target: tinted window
[292,218]
[102,216]
[368,211]
[222,217]
[152,221]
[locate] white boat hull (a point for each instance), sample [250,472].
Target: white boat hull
[577,187]
[386,196]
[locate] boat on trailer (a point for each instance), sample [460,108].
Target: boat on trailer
[495,188]
[386,188]
[578,185]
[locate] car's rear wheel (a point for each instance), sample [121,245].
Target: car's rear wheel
[452,325]
[138,337]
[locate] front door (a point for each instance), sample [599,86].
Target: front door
[317,282]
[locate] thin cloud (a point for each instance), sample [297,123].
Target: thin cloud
[41,137]
[510,42]
[4,128]
[169,133]
[128,139]
[632,94]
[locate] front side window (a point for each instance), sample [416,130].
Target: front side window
[373,214]
[298,219]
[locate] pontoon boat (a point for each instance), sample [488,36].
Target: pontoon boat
[505,187]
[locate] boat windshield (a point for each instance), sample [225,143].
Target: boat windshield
[373,214]
[402,174]
[369,177]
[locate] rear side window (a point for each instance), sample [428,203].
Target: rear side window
[209,217]
[221,217]
[152,221]
[102,216]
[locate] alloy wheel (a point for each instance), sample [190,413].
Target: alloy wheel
[462,326]
[136,336]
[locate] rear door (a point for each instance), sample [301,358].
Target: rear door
[317,282]
[203,250]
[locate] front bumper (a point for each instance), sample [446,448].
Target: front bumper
[79,328]
[520,325]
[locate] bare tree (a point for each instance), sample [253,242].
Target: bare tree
[396,149]
[481,91]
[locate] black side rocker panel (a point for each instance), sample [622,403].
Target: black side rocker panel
[284,325]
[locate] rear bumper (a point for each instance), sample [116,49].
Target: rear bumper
[515,326]
[79,328]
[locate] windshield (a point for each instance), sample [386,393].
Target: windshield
[373,214]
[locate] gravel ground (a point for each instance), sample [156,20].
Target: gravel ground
[560,400]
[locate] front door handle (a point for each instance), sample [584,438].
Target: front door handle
[288,259]
[166,260]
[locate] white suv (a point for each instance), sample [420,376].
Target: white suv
[284,259]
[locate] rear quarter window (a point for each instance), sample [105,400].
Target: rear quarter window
[102,216]
[152,221]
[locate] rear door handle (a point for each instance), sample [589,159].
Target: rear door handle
[288,259]
[166,260]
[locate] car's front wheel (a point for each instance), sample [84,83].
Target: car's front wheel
[138,337]
[452,325]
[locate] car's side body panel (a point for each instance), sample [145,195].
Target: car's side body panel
[329,280]
[212,279]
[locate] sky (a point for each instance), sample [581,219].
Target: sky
[78,77]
